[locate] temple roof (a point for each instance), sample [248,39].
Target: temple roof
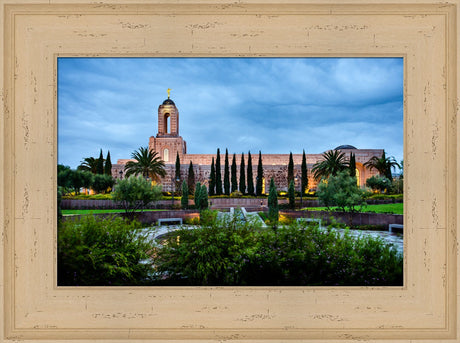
[343,147]
[169,102]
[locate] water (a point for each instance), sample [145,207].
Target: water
[388,237]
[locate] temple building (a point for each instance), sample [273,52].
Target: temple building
[167,143]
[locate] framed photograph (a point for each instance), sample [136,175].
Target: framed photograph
[36,34]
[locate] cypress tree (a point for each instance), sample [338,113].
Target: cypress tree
[226,175]
[108,165]
[249,176]
[352,165]
[291,195]
[290,176]
[184,198]
[100,164]
[204,197]
[233,177]
[304,176]
[273,211]
[212,179]
[242,175]
[197,197]
[218,175]
[260,176]
[191,178]
[177,174]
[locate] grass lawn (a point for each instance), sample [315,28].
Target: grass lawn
[383,208]
[69,212]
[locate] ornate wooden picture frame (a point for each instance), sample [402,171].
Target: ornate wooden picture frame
[36,33]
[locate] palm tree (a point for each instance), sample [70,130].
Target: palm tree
[89,164]
[146,163]
[333,162]
[383,165]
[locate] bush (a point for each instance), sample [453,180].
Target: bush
[240,253]
[273,210]
[102,182]
[213,254]
[291,195]
[378,183]
[103,252]
[135,192]
[236,194]
[341,191]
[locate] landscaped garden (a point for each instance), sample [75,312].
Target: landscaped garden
[94,251]
[119,250]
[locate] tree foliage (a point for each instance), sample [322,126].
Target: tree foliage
[218,174]
[383,165]
[260,176]
[304,174]
[73,180]
[342,191]
[177,171]
[102,183]
[89,164]
[233,253]
[250,175]
[290,175]
[103,252]
[378,183]
[333,162]
[108,165]
[212,180]
[233,176]
[291,195]
[135,192]
[100,164]
[273,210]
[352,165]
[184,198]
[201,197]
[226,175]
[146,163]
[242,175]
[191,178]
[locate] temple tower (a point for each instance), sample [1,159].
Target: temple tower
[167,142]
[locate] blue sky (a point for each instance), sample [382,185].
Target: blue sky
[275,105]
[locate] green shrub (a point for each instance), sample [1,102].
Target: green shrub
[192,221]
[107,196]
[378,183]
[135,193]
[236,194]
[240,253]
[213,254]
[102,252]
[342,191]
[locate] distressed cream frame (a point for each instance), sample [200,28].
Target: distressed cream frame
[35,34]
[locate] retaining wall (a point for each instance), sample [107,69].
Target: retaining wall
[350,218]
[151,217]
[216,203]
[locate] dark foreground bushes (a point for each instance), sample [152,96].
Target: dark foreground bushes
[114,252]
[231,253]
[102,252]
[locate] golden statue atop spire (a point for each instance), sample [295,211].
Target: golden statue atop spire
[169,91]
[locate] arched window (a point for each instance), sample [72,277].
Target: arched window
[167,122]
[357,177]
[166,155]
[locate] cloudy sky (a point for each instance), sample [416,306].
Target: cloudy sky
[275,105]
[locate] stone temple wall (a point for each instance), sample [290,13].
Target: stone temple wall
[274,165]
[168,143]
